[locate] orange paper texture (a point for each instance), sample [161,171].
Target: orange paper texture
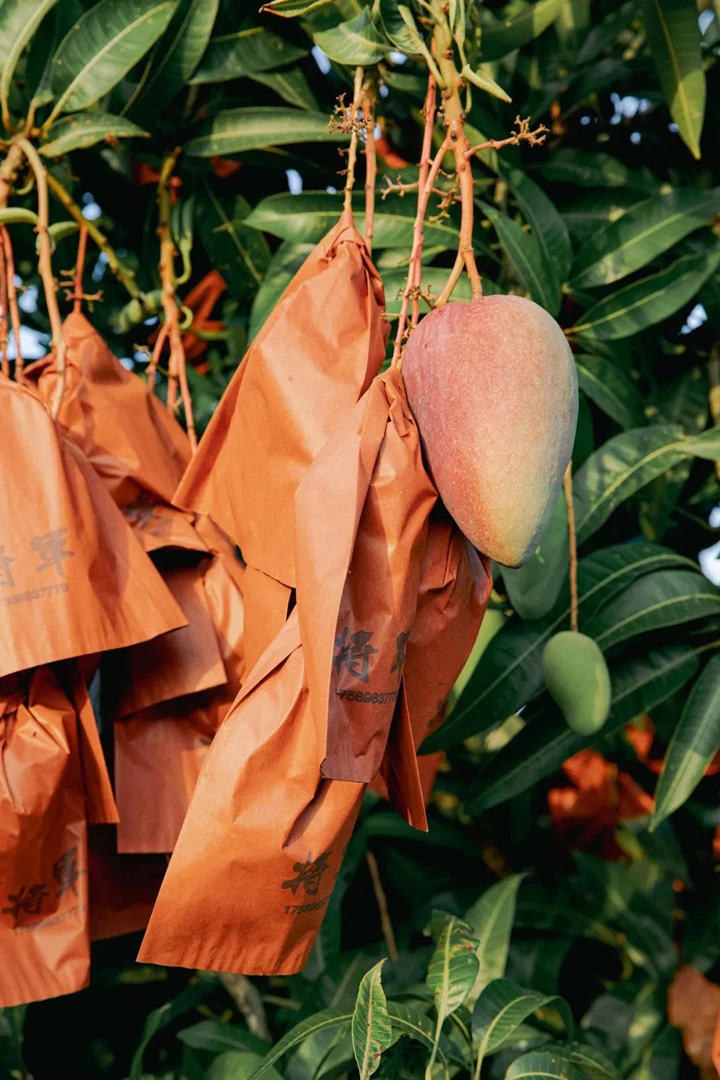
[73,579]
[122,888]
[694,1008]
[44,939]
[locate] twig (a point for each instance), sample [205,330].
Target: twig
[523,134]
[429,118]
[368,106]
[249,1002]
[77,296]
[714,394]
[177,372]
[13,302]
[4,362]
[125,277]
[387,929]
[45,266]
[156,353]
[572,546]
[352,152]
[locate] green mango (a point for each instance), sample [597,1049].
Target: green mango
[578,680]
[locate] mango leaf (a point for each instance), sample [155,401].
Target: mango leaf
[453,967]
[585,169]
[291,85]
[176,55]
[503,1006]
[18,22]
[543,1065]
[649,301]
[218,1036]
[17,215]
[107,40]
[231,56]
[397,28]
[534,588]
[164,1015]
[539,749]
[320,1021]
[234,130]
[523,251]
[280,271]
[239,253]
[371,1028]
[86,129]
[483,81]
[236,1065]
[306,218]
[510,669]
[592,1061]
[503,36]
[639,236]
[665,598]
[674,38]
[591,211]
[694,743]
[46,39]
[353,42]
[610,390]
[547,225]
[491,920]
[290,9]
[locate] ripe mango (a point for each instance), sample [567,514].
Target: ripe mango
[578,680]
[493,387]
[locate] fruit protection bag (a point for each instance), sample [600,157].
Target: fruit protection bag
[73,579]
[253,870]
[43,847]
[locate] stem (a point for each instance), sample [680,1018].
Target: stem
[714,395]
[387,929]
[436,1043]
[352,152]
[4,362]
[125,277]
[13,302]
[479,1061]
[370,163]
[177,372]
[572,546]
[8,169]
[429,115]
[45,266]
[155,358]
[79,267]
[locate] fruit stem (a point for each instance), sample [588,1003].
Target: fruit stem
[572,546]
[4,318]
[352,152]
[368,107]
[12,300]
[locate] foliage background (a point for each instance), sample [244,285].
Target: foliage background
[612,226]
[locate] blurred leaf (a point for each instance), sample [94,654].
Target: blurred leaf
[107,40]
[233,131]
[640,235]
[661,1059]
[610,390]
[164,1015]
[695,742]
[217,1036]
[453,967]
[674,38]
[353,42]
[45,41]
[239,253]
[491,920]
[503,36]
[396,27]
[502,1006]
[245,52]
[543,1065]
[18,22]
[87,129]
[649,301]
[288,9]
[176,55]
[591,1060]
[238,1065]
[548,227]
[17,215]
[279,272]
[523,251]
[321,1021]
[484,82]
[533,589]
[291,85]
[371,1028]
[585,169]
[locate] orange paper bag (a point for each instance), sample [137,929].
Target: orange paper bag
[73,579]
[43,848]
[254,867]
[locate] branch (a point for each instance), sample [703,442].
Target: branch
[572,546]
[4,362]
[13,302]
[381,899]
[368,107]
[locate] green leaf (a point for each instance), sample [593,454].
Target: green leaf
[176,55]
[102,46]
[291,85]
[289,9]
[547,225]
[503,1006]
[622,466]
[397,28]
[510,669]
[308,217]
[644,232]
[19,19]
[543,1065]
[412,1021]
[503,36]
[665,598]
[233,131]
[59,230]
[694,743]
[218,1036]
[45,41]
[280,271]
[86,129]
[491,920]
[353,42]
[592,1061]
[649,301]
[246,52]
[453,967]
[540,749]
[484,81]
[585,169]
[237,1065]
[523,251]
[610,390]
[534,588]
[17,215]
[239,253]
[320,1021]
[673,35]
[160,1018]
[371,1028]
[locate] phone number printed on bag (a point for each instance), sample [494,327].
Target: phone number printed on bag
[309,875]
[52,552]
[355,654]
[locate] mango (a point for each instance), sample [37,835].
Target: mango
[578,680]
[493,387]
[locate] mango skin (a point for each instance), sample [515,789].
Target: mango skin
[493,387]
[578,680]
